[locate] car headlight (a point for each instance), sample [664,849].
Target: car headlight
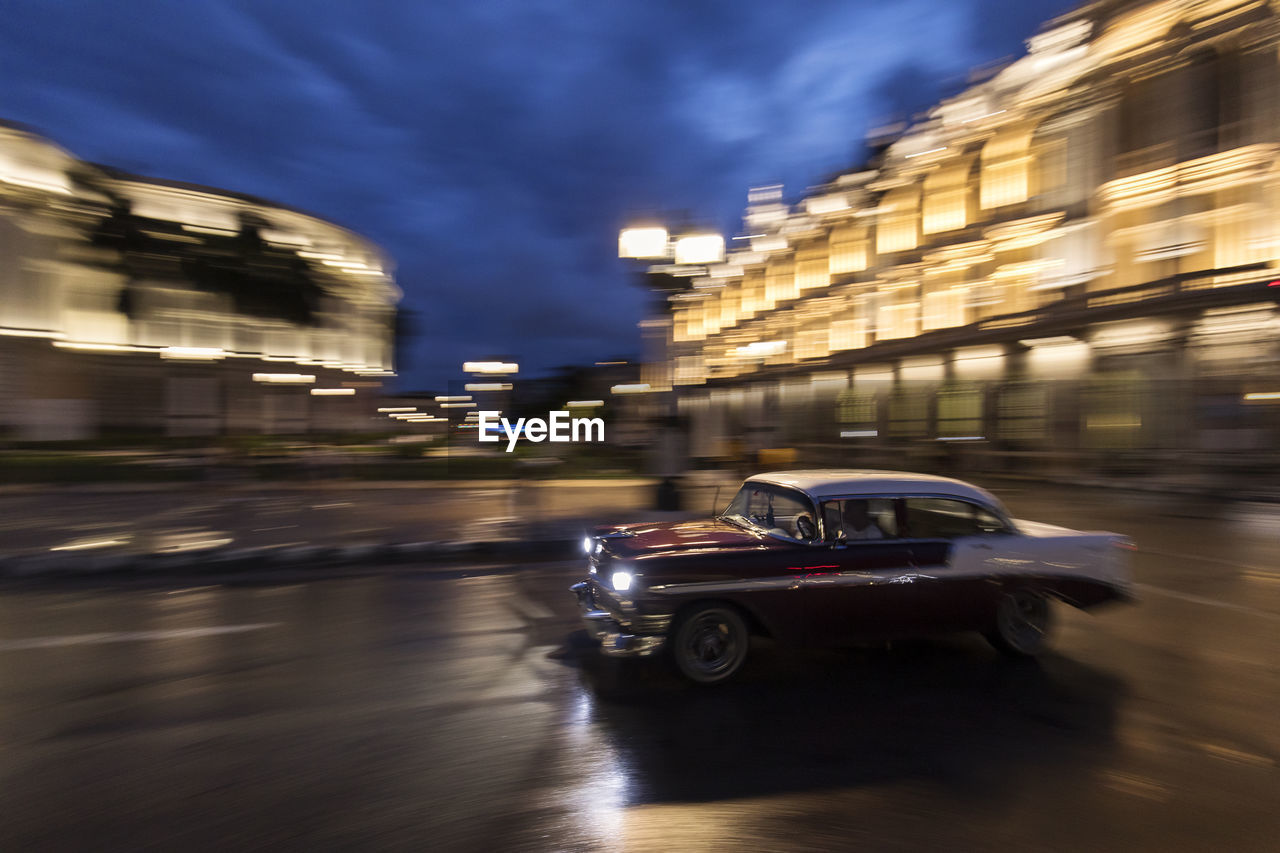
[621,580]
[586,545]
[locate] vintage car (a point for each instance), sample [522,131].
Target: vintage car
[833,557]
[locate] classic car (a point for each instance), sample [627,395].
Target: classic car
[834,557]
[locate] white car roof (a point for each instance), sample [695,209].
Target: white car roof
[834,482]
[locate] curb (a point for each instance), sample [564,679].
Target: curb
[235,560]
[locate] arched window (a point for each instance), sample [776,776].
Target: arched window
[946,198]
[899,226]
[1005,169]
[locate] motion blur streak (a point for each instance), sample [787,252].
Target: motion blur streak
[127,637]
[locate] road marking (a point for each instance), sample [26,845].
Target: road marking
[56,642]
[1211,602]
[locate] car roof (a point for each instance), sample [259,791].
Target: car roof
[834,482]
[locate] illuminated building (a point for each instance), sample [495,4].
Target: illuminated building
[134,306]
[1072,256]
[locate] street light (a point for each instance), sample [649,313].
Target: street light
[642,243]
[700,249]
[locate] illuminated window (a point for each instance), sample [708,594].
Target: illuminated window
[946,199]
[690,370]
[711,313]
[898,321]
[753,294]
[812,266]
[694,329]
[730,300]
[1112,405]
[848,334]
[1005,163]
[944,308]
[680,325]
[960,411]
[856,407]
[780,281]
[847,249]
[812,343]
[898,229]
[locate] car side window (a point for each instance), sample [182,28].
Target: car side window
[856,519]
[945,518]
[779,511]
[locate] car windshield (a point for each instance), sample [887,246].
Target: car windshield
[775,510]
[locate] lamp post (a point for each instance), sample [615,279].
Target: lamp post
[673,263]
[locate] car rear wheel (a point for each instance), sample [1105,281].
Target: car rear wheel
[710,643]
[1022,623]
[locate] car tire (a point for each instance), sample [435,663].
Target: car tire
[710,643]
[1022,623]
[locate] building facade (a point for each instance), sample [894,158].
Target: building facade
[1069,262]
[134,306]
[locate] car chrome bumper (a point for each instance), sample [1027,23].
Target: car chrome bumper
[614,638]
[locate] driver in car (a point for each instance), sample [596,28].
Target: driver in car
[858,523]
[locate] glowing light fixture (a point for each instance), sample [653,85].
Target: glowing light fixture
[490,367]
[29,333]
[642,243]
[194,353]
[85,346]
[700,249]
[284,378]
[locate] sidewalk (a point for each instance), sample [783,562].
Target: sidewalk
[68,530]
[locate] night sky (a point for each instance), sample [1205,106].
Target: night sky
[494,148]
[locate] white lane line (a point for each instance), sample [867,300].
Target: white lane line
[55,642]
[1210,602]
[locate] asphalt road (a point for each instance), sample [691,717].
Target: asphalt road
[458,709]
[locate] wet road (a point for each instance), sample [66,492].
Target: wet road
[456,709]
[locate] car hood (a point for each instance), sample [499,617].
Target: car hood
[638,540]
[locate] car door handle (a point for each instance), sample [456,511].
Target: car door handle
[983,545]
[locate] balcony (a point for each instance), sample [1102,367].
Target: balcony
[1190,146]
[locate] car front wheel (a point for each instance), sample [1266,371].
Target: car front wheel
[710,643]
[1022,623]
